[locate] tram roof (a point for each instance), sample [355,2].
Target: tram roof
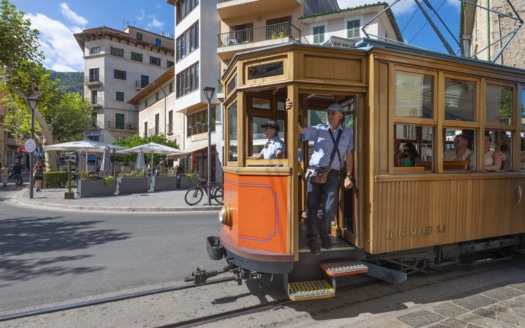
[367,44]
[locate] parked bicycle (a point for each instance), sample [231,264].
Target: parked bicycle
[194,194]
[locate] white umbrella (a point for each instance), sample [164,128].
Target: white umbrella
[86,145]
[153,148]
[140,164]
[105,166]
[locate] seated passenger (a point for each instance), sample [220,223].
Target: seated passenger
[504,146]
[274,147]
[461,152]
[398,154]
[493,159]
[410,155]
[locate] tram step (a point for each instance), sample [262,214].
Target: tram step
[310,290]
[338,269]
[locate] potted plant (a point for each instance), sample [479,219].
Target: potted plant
[133,182]
[188,180]
[164,182]
[89,186]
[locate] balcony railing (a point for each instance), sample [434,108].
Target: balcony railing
[258,34]
[96,102]
[90,80]
[121,126]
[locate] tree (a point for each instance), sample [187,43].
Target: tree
[63,116]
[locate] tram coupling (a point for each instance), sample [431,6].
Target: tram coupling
[200,276]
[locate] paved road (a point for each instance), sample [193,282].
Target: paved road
[503,306]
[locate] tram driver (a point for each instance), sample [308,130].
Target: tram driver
[325,136]
[274,147]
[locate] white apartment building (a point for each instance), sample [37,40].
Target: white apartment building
[117,65]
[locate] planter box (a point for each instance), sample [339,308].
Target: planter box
[185,182]
[95,188]
[132,185]
[160,183]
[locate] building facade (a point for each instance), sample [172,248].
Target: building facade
[117,65]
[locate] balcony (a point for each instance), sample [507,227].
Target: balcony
[92,81]
[96,102]
[112,125]
[230,43]
[231,8]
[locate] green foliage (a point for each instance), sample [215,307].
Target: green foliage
[70,81]
[55,179]
[134,174]
[108,179]
[18,42]
[70,117]
[136,140]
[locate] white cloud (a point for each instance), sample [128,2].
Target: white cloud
[155,24]
[141,17]
[58,44]
[71,15]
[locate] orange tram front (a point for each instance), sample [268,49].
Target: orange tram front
[397,219]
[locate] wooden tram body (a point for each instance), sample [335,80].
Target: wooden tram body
[429,214]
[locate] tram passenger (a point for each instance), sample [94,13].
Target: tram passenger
[274,147]
[504,146]
[324,137]
[398,154]
[461,152]
[410,155]
[493,158]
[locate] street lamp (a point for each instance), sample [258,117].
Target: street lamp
[208,92]
[31,103]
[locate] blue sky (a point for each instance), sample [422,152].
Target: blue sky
[58,20]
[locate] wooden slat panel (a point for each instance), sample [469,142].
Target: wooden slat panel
[412,214]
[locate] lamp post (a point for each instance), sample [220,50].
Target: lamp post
[31,103]
[208,92]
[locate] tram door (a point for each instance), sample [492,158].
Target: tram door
[344,224]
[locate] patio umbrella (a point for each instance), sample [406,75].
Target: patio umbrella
[153,148]
[105,166]
[140,164]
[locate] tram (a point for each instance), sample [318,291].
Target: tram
[396,220]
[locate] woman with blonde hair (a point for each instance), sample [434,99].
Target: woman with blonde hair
[38,175]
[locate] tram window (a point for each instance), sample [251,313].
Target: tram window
[522,107]
[504,144]
[499,104]
[522,151]
[259,103]
[491,148]
[460,100]
[232,132]
[422,139]
[460,150]
[414,95]
[259,139]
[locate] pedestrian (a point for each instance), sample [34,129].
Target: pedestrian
[333,143]
[17,173]
[38,175]
[4,173]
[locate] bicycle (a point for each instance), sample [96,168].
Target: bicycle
[194,194]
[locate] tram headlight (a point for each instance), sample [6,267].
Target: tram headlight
[225,215]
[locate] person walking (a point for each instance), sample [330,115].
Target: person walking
[17,173]
[38,175]
[325,137]
[4,174]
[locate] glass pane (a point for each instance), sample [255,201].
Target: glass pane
[522,152]
[499,104]
[460,100]
[232,132]
[414,95]
[259,103]
[504,144]
[265,70]
[413,146]
[459,147]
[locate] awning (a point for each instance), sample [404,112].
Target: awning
[188,151]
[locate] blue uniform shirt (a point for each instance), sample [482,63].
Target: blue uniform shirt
[323,145]
[272,146]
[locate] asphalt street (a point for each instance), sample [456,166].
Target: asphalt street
[502,306]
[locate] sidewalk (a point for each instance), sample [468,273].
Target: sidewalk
[160,201]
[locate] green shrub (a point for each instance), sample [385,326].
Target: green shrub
[56,179]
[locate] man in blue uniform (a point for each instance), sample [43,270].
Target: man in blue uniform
[327,193]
